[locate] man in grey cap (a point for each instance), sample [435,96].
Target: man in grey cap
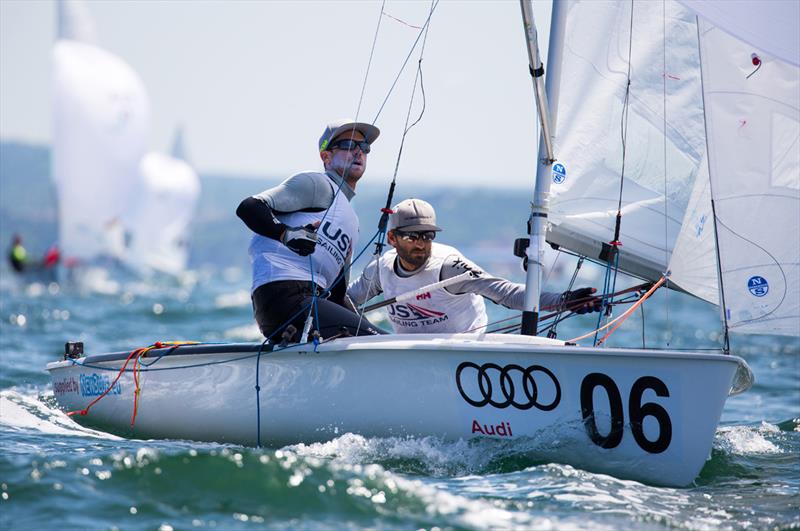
[417,261]
[305,232]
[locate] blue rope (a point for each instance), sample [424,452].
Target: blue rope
[607,299]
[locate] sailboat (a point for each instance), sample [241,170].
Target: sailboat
[160,216]
[101,122]
[647,415]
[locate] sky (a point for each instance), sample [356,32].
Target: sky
[253,83]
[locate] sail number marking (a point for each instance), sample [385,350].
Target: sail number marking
[637,412]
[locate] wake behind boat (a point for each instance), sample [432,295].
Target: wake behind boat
[643,415]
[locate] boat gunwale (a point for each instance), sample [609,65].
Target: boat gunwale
[485,344]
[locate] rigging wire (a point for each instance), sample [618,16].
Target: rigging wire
[369,62]
[418,78]
[610,281]
[405,62]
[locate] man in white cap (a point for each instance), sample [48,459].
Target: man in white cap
[305,231]
[417,261]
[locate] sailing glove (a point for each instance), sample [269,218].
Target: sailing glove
[301,240]
[582,300]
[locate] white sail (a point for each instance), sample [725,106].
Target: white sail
[752,104]
[160,218]
[693,267]
[665,140]
[101,115]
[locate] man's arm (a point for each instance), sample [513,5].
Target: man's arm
[367,285]
[496,289]
[307,192]
[507,293]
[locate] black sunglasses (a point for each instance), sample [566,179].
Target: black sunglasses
[349,145]
[426,236]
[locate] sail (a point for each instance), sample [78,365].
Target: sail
[101,115]
[752,105]
[160,217]
[664,142]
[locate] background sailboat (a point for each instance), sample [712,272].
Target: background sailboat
[116,202]
[161,214]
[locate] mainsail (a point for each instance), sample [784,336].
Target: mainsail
[662,131]
[693,127]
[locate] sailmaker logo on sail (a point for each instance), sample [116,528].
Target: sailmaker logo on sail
[559,173]
[758,286]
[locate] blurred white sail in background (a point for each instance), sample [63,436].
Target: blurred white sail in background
[114,202]
[161,215]
[101,116]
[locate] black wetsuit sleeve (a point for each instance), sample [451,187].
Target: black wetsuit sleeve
[258,217]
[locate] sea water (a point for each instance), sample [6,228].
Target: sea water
[55,474]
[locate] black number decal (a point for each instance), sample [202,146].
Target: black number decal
[636,410]
[639,411]
[614,436]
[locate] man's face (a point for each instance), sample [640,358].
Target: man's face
[412,254]
[350,164]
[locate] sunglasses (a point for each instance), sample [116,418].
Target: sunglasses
[349,145]
[426,236]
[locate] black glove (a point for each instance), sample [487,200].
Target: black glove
[301,240]
[581,300]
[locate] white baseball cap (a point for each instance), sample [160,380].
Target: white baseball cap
[413,215]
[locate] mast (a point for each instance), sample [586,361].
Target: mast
[537,222]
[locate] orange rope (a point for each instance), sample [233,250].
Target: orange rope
[135,356]
[621,319]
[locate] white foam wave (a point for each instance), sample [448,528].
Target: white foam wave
[237,299]
[439,457]
[438,503]
[744,440]
[249,332]
[26,412]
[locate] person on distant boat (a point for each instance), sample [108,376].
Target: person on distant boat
[51,257]
[305,231]
[17,255]
[417,261]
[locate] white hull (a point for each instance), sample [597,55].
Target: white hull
[667,403]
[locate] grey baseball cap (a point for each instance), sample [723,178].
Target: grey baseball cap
[412,215]
[334,129]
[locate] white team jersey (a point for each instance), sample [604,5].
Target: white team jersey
[437,311]
[338,234]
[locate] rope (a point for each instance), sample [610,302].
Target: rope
[619,320]
[135,355]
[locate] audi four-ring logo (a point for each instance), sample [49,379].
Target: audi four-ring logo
[490,376]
